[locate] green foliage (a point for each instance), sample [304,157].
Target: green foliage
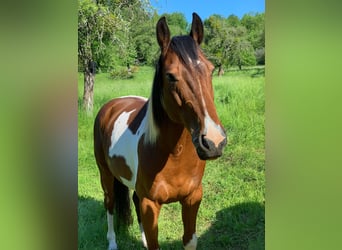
[115,33]
[216,40]
[123,72]
[260,56]
[106,31]
[233,21]
[144,35]
[231,215]
[177,23]
[242,53]
[233,42]
[255,29]
[95,30]
[255,25]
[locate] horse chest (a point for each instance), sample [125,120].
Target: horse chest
[168,178]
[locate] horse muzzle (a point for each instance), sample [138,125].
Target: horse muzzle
[210,148]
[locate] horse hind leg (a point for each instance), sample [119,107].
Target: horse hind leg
[137,210]
[116,197]
[107,182]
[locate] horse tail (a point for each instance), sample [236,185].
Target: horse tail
[122,204]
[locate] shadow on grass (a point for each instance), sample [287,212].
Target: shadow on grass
[238,227]
[259,72]
[92,229]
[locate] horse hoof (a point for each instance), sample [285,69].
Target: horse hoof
[112,246]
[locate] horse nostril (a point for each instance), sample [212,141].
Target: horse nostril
[205,142]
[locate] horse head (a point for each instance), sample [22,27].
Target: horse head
[187,94]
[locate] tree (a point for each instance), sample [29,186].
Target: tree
[105,37]
[143,33]
[144,39]
[255,25]
[137,14]
[241,51]
[233,21]
[96,26]
[226,42]
[177,23]
[260,56]
[216,41]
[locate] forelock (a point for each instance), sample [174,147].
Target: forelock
[185,48]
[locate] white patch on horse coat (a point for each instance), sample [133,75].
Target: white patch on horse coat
[111,234]
[192,243]
[134,96]
[143,237]
[125,144]
[120,127]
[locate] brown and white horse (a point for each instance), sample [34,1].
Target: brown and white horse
[158,146]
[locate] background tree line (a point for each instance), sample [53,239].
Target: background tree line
[116,35]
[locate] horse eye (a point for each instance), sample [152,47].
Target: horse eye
[171,78]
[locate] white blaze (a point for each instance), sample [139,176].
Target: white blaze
[212,130]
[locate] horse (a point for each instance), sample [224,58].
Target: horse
[158,146]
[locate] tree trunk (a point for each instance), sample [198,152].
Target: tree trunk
[220,71]
[88,94]
[239,63]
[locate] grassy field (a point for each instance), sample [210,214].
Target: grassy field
[231,215]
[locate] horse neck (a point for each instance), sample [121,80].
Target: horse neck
[164,134]
[171,134]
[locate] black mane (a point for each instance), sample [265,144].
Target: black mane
[157,108]
[185,48]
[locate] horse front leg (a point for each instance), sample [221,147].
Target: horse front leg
[136,201]
[190,206]
[149,218]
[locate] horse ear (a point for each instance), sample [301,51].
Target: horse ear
[196,28]
[163,35]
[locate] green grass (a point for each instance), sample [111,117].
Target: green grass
[231,215]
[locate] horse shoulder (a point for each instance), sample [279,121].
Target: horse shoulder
[124,123]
